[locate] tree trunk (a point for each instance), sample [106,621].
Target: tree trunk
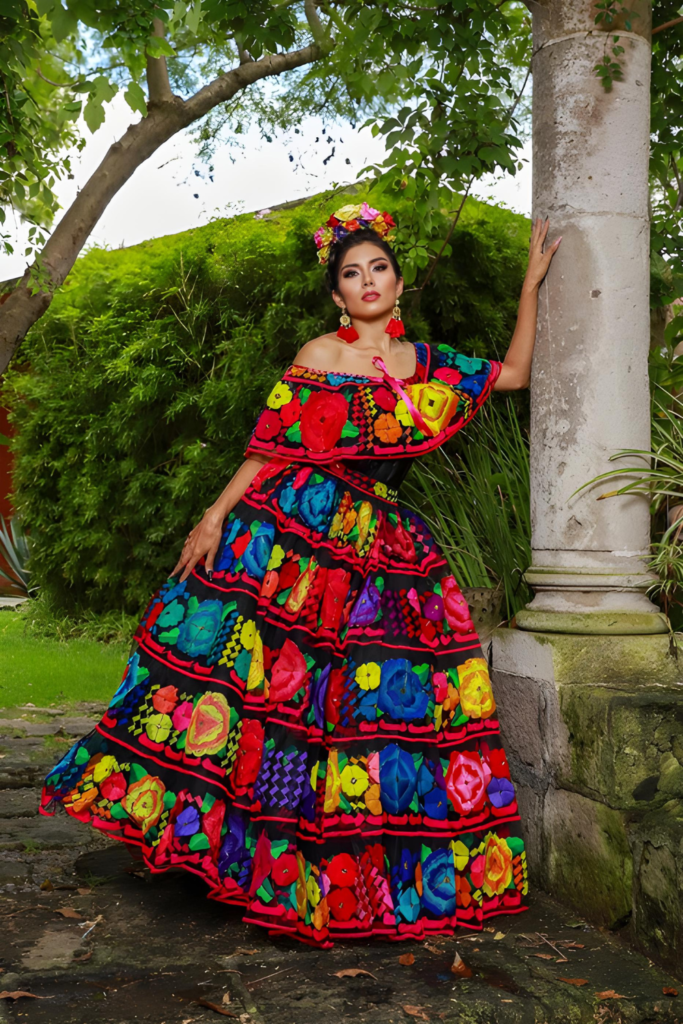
[165,118]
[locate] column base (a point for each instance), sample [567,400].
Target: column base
[598,600]
[592,623]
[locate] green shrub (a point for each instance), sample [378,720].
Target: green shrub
[137,391]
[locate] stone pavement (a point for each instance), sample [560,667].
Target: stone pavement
[100,941]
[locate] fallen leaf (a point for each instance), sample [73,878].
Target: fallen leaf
[83,892]
[47,885]
[489,928]
[216,1008]
[610,994]
[432,949]
[240,951]
[544,956]
[573,924]
[83,958]
[568,944]
[575,981]
[69,912]
[414,1011]
[499,935]
[460,968]
[226,998]
[667,991]
[352,972]
[19,994]
[407,959]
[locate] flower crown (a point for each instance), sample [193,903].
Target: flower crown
[351,218]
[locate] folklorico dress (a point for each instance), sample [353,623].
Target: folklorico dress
[313,731]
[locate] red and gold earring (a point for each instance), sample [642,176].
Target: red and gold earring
[395,326]
[347,332]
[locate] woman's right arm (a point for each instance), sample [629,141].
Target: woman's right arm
[206,536]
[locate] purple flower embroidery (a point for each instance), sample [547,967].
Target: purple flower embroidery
[365,609]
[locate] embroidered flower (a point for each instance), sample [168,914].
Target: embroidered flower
[342,904]
[372,799]
[438,883]
[288,673]
[384,399]
[317,502]
[198,631]
[500,792]
[182,715]
[268,425]
[354,780]
[332,783]
[113,787]
[403,415]
[290,413]
[277,557]
[498,865]
[165,699]
[257,555]
[366,606]
[387,428]
[402,693]
[158,727]
[144,801]
[322,420]
[208,730]
[476,695]
[398,777]
[104,768]
[455,606]
[249,754]
[368,676]
[285,869]
[281,395]
[466,781]
[187,822]
[381,489]
[342,870]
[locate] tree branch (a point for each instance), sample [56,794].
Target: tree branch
[158,84]
[33,293]
[316,26]
[667,24]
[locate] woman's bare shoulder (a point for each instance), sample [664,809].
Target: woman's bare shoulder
[319,354]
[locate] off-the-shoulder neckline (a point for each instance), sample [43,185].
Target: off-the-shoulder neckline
[362,376]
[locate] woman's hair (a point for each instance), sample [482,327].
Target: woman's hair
[339,249]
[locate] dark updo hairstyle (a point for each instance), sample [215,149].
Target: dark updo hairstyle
[339,249]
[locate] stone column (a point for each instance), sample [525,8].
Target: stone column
[589,389]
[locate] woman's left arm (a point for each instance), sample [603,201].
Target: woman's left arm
[516,371]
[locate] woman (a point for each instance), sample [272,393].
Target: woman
[307,721]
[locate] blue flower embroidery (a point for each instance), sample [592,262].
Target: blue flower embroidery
[401,692]
[397,778]
[198,631]
[438,883]
[255,558]
[317,503]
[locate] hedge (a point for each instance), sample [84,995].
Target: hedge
[134,395]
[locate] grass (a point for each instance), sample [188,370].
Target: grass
[44,672]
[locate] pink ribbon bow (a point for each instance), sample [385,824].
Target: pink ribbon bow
[393,383]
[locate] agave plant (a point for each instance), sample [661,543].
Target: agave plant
[15,549]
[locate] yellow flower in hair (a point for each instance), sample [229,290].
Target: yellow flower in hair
[348,212]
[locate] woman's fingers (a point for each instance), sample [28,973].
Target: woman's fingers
[210,558]
[191,562]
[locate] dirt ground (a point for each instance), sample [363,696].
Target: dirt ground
[95,940]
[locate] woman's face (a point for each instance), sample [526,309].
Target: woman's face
[367,286]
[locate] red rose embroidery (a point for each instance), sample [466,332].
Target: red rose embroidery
[290,413]
[342,870]
[212,823]
[268,426]
[497,763]
[289,673]
[448,375]
[334,597]
[322,420]
[456,607]
[113,787]
[249,754]
[289,574]
[334,695]
[466,782]
[397,541]
[385,399]
[285,869]
[342,904]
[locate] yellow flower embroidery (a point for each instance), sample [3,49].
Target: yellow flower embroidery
[277,557]
[313,890]
[248,634]
[256,670]
[461,855]
[367,676]
[476,695]
[332,783]
[104,768]
[402,415]
[354,780]
[280,395]
[381,489]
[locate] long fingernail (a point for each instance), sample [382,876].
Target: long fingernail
[210,574]
[559,240]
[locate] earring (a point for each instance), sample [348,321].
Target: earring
[395,326]
[347,332]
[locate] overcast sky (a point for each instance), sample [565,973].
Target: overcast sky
[173,190]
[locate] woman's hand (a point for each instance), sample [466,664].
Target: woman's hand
[203,540]
[539,261]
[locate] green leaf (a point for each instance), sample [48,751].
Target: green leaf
[136,99]
[64,23]
[93,115]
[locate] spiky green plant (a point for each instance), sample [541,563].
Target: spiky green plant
[475,498]
[15,549]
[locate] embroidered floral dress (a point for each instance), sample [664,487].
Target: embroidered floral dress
[313,731]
